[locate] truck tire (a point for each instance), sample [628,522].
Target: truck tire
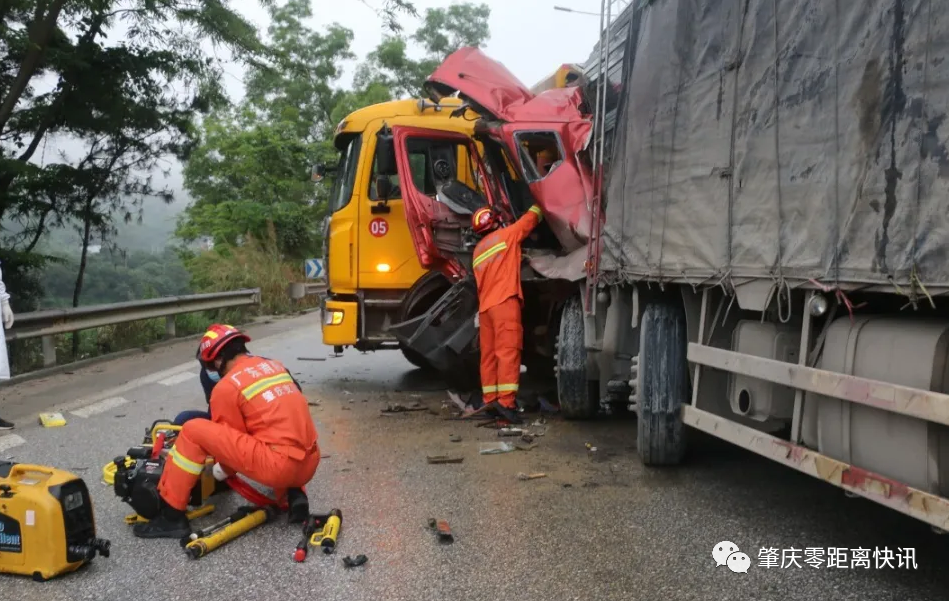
[426,291]
[573,387]
[415,359]
[663,384]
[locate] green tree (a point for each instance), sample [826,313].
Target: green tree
[443,31]
[245,176]
[252,169]
[130,103]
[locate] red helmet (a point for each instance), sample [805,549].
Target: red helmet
[214,340]
[483,220]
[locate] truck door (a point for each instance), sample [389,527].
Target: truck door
[440,199]
[386,256]
[549,157]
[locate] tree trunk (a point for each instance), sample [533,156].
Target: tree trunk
[62,97]
[77,291]
[39,230]
[41,30]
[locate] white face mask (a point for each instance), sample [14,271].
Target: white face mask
[213,375]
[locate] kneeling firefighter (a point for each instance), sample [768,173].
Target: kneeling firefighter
[261,428]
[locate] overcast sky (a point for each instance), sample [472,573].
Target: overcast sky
[528,36]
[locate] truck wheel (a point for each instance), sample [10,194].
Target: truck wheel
[663,384]
[573,387]
[415,359]
[423,294]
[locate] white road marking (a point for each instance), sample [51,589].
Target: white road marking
[178,378]
[130,385]
[80,404]
[9,441]
[100,407]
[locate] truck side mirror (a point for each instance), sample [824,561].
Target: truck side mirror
[385,153]
[383,187]
[318,172]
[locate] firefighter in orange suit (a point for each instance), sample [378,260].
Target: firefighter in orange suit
[261,428]
[497,268]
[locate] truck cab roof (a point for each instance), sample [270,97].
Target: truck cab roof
[359,120]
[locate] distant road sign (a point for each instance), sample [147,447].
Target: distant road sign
[314,269]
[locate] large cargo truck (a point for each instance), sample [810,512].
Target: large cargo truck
[767,257]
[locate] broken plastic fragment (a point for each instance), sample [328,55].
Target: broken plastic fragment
[354,562]
[495,448]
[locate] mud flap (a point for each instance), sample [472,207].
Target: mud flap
[445,334]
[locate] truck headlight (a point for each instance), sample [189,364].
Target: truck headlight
[333,317]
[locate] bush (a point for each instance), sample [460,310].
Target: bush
[253,264]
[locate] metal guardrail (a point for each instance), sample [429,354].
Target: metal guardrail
[48,323]
[298,290]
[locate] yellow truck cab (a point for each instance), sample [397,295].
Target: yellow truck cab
[374,275]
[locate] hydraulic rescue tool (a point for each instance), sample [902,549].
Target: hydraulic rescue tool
[242,521]
[47,527]
[319,530]
[326,538]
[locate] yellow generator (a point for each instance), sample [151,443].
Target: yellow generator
[47,526]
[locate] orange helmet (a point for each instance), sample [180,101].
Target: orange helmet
[214,340]
[483,220]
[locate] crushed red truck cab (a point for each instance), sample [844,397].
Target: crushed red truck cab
[547,136]
[527,148]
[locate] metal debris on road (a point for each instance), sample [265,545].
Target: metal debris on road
[437,459]
[311,358]
[441,530]
[354,562]
[510,432]
[495,448]
[313,403]
[546,407]
[454,438]
[400,408]
[534,476]
[528,438]
[456,400]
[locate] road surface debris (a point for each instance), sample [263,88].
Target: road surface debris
[438,459]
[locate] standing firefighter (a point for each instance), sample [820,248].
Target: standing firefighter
[261,428]
[497,267]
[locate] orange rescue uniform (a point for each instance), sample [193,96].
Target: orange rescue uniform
[261,427]
[497,268]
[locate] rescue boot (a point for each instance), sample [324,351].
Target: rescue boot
[170,523]
[299,506]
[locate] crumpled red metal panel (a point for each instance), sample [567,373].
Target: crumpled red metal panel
[564,202]
[566,194]
[484,80]
[558,105]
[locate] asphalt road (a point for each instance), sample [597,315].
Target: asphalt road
[598,527]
